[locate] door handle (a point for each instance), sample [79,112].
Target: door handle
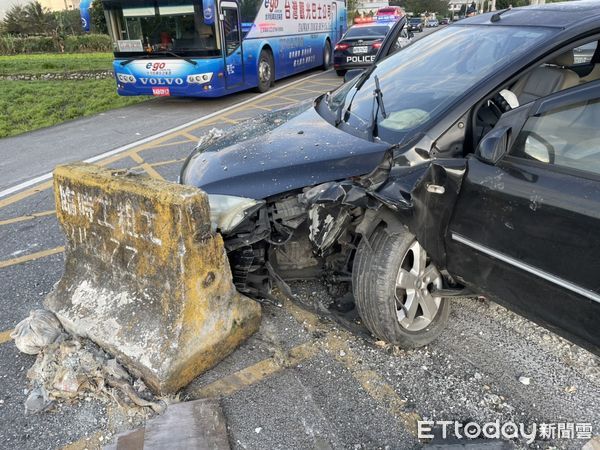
[435,189]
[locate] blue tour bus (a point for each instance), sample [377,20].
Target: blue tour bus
[210,48]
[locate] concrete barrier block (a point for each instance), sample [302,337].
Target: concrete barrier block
[145,277]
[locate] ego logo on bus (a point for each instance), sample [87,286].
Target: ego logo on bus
[154,67]
[271,4]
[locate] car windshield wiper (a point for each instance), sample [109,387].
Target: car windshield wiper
[377,106]
[363,77]
[152,55]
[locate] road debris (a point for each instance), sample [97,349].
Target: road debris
[67,368]
[525,380]
[36,331]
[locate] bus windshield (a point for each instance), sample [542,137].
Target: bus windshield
[176,28]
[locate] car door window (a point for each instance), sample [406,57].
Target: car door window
[568,137]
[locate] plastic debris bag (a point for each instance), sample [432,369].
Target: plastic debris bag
[37,331]
[37,401]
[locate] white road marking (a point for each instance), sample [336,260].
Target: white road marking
[47,176]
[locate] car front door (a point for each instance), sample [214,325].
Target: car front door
[526,229]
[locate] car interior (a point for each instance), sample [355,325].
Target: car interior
[571,68]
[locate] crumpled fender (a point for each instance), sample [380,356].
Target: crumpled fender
[420,197]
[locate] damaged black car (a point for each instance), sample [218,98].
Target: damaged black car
[428,176]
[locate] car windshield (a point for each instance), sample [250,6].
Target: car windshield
[374,31]
[415,21]
[419,82]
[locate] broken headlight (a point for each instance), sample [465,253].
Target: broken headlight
[227,211]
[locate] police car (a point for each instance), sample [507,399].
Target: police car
[359,45]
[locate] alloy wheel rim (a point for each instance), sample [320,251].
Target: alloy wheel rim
[264,71]
[416,307]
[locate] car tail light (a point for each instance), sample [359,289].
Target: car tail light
[377,45]
[341,46]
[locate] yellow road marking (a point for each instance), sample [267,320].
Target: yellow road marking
[325,83]
[251,375]
[288,99]
[294,94]
[27,217]
[228,120]
[312,91]
[168,144]
[147,167]
[262,107]
[189,136]
[24,194]
[166,163]
[90,442]
[373,383]
[31,257]
[5,336]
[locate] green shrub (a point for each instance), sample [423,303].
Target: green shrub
[11,45]
[39,44]
[88,43]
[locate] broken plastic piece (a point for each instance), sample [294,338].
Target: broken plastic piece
[37,401]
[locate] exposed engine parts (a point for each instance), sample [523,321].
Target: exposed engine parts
[286,240]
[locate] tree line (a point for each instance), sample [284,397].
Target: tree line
[32,19]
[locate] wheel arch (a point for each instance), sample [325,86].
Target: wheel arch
[382,217]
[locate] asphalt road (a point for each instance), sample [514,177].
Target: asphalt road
[307,382]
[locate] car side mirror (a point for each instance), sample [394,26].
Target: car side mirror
[352,73]
[493,146]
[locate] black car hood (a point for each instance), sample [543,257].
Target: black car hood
[279,152]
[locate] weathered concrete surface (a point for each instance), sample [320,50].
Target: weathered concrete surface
[198,425]
[145,277]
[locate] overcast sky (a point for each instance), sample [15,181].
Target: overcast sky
[6,4]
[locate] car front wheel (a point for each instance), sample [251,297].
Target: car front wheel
[394,283]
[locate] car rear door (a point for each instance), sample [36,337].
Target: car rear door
[526,230]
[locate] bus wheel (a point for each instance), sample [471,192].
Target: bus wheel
[326,56]
[266,71]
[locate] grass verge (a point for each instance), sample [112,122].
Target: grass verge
[29,105]
[54,63]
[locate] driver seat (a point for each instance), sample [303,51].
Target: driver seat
[547,79]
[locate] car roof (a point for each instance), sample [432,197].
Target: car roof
[557,15]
